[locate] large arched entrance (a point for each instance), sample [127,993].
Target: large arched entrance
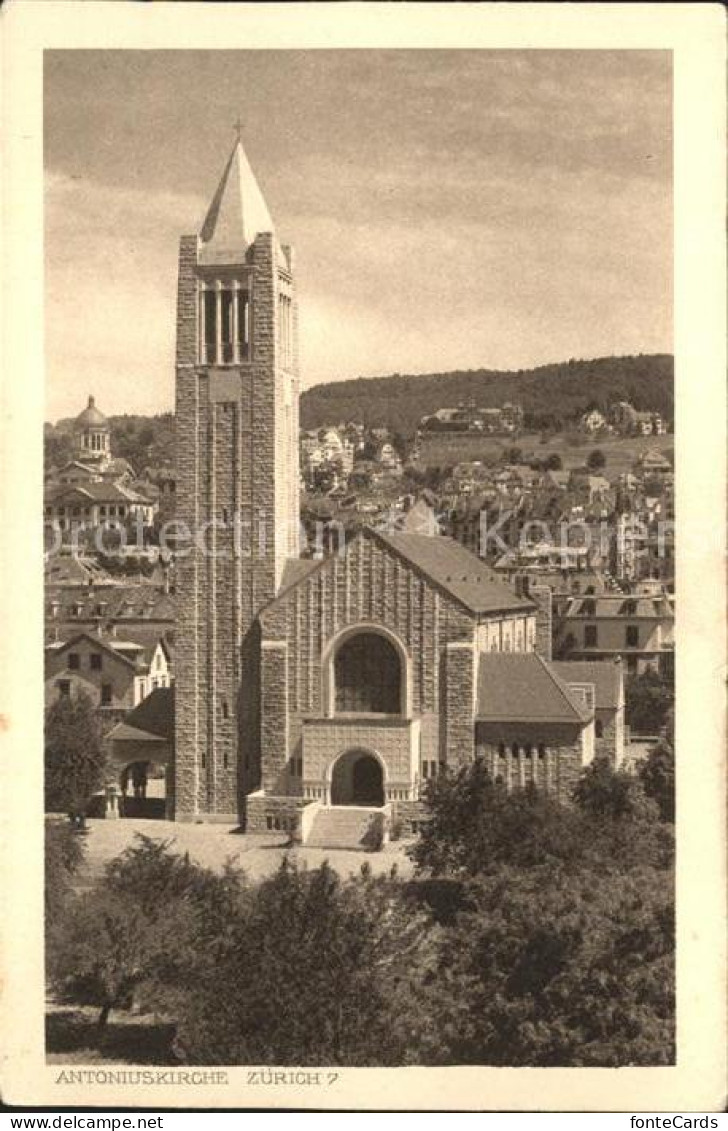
[357,779]
[367,676]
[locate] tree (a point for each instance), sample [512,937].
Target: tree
[553,462]
[316,970]
[74,756]
[550,967]
[648,701]
[596,460]
[475,825]
[657,774]
[603,792]
[63,857]
[137,931]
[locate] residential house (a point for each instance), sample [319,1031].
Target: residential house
[639,628]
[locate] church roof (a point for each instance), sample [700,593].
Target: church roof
[445,562]
[237,214]
[91,417]
[522,687]
[455,569]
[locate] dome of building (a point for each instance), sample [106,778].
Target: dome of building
[91,417]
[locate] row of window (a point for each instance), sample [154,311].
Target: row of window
[95,661]
[63,686]
[631,636]
[96,441]
[225,321]
[226,331]
[105,510]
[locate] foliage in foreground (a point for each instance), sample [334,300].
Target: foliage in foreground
[475,825]
[555,948]
[550,967]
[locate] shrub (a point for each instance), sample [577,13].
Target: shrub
[548,968]
[316,970]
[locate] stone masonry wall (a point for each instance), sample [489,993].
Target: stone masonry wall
[229,459]
[511,753]
[369,586]
[460,675]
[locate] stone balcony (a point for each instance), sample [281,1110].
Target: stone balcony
[394,740]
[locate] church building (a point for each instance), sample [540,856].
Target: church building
[318,695]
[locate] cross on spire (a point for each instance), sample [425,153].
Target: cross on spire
[238,127]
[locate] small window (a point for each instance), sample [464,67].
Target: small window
[599,728]
[96,661]
[514,749]
[225,709]
[107,694]
[541,752]
[64,687]
[591,637]
[74,661]
[632,636]
[269,823]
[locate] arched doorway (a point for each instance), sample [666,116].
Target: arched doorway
[357,779]
[143,787]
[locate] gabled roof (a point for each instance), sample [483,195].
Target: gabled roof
[237,214]
[97,641]
[456,570]
[94,491]
[152,720]
[522,687]
[605,675]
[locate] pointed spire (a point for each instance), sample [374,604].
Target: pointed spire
[237,213]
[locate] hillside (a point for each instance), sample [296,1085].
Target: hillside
[551,395]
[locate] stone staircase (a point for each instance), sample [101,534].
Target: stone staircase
[347,826]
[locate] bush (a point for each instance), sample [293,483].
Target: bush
[316,971]
[475,825]
[138,930]
[657,775]
[596,460]
[549,968]
[64,852]
[649,698]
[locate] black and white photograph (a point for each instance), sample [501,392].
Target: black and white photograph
[361,705]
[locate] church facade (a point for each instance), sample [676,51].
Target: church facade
[302,685]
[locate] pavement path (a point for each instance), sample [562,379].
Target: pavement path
[212,845]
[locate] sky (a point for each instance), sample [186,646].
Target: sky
[448,209]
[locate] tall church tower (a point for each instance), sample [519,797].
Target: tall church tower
[237,484]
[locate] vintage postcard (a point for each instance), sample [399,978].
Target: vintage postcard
[364,494]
